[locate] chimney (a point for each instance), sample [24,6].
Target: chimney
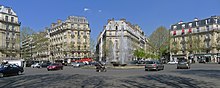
[59,21]
[123,19]
[53,24]
[196,19]
[180,22]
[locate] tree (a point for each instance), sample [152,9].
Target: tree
[159,40]
[25,33]
[92,45]
[139,53]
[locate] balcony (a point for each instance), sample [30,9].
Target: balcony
[15,22]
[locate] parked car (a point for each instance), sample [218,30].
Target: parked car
[172,62]
[55,66]
[77,64]
[10,69]
[44,65]
[202,61]
[36,65]
[183,64]
[153,65]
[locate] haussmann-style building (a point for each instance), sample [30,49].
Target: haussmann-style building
[118,40]
[9,34]
[196,40]
[69,39]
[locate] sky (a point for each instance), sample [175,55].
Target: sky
[148,14]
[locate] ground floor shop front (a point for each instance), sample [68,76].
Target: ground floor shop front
[196,58]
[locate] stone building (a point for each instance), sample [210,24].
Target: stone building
[9,34]
[118,40]
[196,40]
[69,39]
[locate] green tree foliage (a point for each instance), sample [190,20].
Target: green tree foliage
[139,53]
[92,45]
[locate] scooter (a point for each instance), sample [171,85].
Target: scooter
[100,69]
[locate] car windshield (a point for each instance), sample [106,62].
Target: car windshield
[149,62]
[54,64]
[1,66]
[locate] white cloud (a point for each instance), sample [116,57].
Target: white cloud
[86,9]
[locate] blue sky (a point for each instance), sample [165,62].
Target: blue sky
[149,14]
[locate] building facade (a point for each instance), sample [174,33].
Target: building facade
[41,46]
[9,34]
[118,40]
[196,40]
[26,48]
[69,38]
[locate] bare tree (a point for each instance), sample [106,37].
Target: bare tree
[159,40]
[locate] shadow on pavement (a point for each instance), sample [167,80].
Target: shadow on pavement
[202,73]
[155,81]
[84,81]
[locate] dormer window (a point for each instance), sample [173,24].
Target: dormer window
[197,23]
[9,11]
[207,21]
[216,21]
[174,27]
[190,25]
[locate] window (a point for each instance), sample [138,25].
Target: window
[84,46]
[9,11]
[6,18]
[12,19]
[78,47]
[207,27]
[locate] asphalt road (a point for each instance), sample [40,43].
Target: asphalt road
[199,76]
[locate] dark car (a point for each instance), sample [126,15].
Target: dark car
[183,64]
[10,69]
[153,65]
[44,65]
[202,61]
[55,66]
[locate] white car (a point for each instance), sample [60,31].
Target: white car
[77,64]
[36,65]
[173,62]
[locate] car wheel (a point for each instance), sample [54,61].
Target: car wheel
[48,69]
[157,69]
[146,69]
[1,75]
[163,68]
[177,68]
[62,68]
[19,73]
